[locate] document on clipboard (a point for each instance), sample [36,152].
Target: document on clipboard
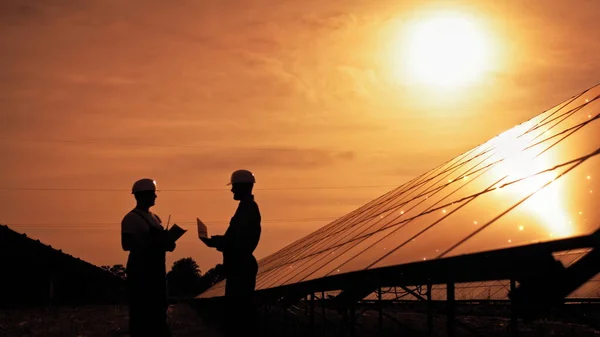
[175,232]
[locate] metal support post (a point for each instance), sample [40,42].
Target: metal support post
[451,314]
[380,309]
[312,312]
[306,307]
[514,325]
[353,320]
[323,319]
[429,311]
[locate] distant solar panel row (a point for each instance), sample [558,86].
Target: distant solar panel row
[536,182]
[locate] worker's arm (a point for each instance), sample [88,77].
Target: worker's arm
[134,238]
[212,241]
[139,242]
[245,234]
[168,244]
[215,241]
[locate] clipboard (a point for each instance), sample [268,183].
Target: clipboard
[175,232]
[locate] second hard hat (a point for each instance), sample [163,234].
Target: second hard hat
[242,176]
[145,184]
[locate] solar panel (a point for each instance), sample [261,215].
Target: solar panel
[535,182]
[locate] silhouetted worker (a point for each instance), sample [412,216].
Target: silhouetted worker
[238,245]
[143,235]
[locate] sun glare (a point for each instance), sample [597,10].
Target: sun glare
[444,50]
[547,205]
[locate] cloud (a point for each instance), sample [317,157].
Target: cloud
[335,21]
[356,82]
[415,164]
[101,157]
[262,36]
[88,79]
[15,12]
[263,45]
[260,158]
[269,76]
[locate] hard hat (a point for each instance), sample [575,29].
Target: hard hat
[242,176]
[145,184]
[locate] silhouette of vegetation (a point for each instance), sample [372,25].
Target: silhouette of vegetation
[117,269]
[185,278]
[212,277]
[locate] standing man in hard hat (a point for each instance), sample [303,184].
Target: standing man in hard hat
[238,245]
[144,237]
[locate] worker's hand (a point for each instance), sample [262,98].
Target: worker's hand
[170,246]
[167,244]
[208,241]
[218,241]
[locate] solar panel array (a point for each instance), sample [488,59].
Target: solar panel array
[536,182]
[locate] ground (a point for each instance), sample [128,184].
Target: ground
[84,321]
[88,321]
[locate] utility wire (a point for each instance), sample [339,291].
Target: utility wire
[116,223]
[291,188]
[118,142]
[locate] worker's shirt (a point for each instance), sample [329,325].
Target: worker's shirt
[138,222]
[146,227]
[243,234]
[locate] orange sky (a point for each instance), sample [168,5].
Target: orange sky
[97,94]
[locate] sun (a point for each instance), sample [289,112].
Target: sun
[444,50]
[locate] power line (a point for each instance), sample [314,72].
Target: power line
[107,142]
[116,223]
[117,142]
[77,189]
